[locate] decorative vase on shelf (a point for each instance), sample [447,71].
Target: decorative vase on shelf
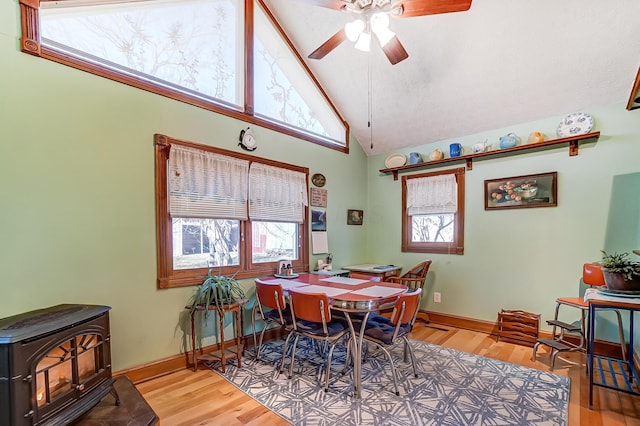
[535,137]
[436,154]
[455,149]
[415,158]
[509,140]
[480,147]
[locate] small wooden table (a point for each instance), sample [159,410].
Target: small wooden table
[224,353]
[375,270]
[332,273]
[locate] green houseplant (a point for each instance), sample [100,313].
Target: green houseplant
[218,290]
[620,272]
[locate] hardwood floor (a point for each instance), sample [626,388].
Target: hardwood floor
[188,398]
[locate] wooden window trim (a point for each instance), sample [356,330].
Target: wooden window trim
[31,43]
[167,276]
[457,246]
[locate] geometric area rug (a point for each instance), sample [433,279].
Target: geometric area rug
[453,388]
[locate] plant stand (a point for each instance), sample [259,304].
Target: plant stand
[224,353]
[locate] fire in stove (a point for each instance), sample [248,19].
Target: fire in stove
[54,372]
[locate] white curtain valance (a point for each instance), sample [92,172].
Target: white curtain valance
[203,184]
[277,194]
[432,195]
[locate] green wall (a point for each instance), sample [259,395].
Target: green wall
[524,258]
[77,216]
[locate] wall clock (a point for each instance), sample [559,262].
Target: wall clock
[318,180]
[248,140]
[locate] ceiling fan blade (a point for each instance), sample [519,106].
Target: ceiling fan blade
[395,51]
[329,45]
[430,7]
[330,4]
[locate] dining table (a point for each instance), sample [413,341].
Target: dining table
[353,297]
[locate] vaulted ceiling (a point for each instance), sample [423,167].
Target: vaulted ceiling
[500,63]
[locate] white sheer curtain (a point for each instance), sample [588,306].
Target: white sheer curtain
[207,185]
[276,194]
[432,195]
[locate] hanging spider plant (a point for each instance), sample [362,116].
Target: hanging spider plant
[218,290]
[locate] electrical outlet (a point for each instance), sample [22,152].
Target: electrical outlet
[437,297]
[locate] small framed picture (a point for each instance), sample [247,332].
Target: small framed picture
[354,217]
[318,220]
[517,192]
[318,197]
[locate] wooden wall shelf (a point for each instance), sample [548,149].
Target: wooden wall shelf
[572,142]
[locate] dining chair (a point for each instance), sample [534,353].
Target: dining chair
[270,307]
[593,277]
[414,277]
[386,332]
[312,318]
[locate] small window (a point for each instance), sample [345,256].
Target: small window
[283,91]
[273,241]
[234,213]
[205,243]
[433,212]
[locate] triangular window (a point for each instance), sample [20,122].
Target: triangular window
[193,51]
[283,91]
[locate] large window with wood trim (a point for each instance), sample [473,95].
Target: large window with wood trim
[227,56]
[433,212]
[232,213]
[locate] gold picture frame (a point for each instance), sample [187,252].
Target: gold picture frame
[519,192]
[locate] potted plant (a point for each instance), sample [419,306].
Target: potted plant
[218,290]
[620,272]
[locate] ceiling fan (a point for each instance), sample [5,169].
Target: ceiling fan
[372,17]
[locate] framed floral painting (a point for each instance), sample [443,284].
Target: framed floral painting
[517,192]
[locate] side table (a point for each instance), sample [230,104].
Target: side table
[225,352]
[375,270]
[332,273]
[620,375]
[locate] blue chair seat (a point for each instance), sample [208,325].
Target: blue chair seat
[275,315]
[384,332]
[380,329]
[334,327]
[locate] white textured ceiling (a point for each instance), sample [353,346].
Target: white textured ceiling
[502,62]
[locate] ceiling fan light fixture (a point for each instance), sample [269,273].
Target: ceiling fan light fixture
[354,29]
[385,36]
[363,42]
[380,26]
[379,21]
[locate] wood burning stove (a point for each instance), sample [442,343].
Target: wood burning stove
[55,364]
